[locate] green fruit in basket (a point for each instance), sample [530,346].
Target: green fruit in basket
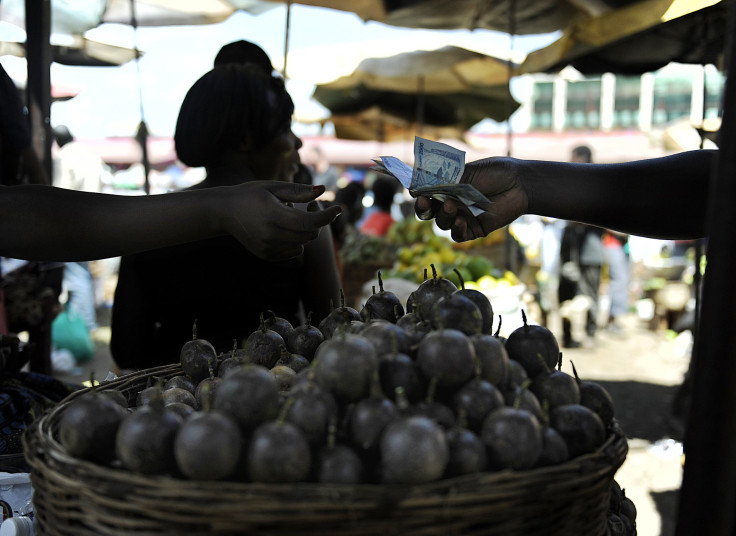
[144,442]
[513,439]
[199,457]
[534,347]
[249,394]
[478,266]
[413,450]
[88,426]
[196,357]
[580,427]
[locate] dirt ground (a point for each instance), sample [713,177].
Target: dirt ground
[640,367]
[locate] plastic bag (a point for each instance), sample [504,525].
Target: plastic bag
[69,331]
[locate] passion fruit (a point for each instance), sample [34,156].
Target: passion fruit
[384,305]
[197,356]
[493,358]
[278,453]
[459,312]
[345,365]
[533,346]
[481,301]
[580,427]
[429,292]
[263,346]
[448,355]
[513,439]
[199,457]
[88,426]
[413,451]
[305,339]
[250,395]
[467,453]
[339,317]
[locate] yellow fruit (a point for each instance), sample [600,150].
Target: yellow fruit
[511,277]
[447,255]
[486,282]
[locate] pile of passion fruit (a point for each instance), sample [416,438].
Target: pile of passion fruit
[393,394]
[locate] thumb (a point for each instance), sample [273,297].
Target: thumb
[295,193]
[320,217]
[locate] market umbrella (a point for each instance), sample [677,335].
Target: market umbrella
[76,50]
[448,87]
[638,38]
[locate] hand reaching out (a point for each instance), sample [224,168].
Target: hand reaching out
[498,179]
[261,216]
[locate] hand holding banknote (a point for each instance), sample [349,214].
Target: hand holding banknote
[437,173]
[498,180]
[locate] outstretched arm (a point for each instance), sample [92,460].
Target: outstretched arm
[661,197]
[47,223]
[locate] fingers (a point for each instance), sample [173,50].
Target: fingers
[423,208]
[295,193]
[319,217]
[445,217]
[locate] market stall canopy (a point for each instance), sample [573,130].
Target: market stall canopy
[375,124]
[76,50]
[447,87]
[638,38]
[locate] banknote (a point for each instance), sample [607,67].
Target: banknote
[438,169]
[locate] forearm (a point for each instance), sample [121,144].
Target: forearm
[660,198]
[44,223]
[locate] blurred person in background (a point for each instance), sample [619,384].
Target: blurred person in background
[380,219]
[78,168]
[616,255]
[235,121]
[581,259]
[323,171]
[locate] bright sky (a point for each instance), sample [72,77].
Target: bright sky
[324,44]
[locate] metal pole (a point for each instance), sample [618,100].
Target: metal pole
[38,87]
[708,493]
[286,36]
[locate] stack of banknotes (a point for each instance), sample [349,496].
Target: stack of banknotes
[437,173]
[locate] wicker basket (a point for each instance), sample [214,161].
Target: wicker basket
[74,497]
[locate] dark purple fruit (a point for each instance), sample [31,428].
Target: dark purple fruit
[481,301]
[513,439]
[278,453]
[181,409]
[398,370]
[493,358]
[88,426]
[429,292]
[436,411]
[339,464]
[521,397]
[229,364]
[447,355]
[384,305]
[344,365]
[284,376]
[295,362]
[413,451]
[477,399]
[580,427]
[207,446]
[179,394]
[206,389]
[457,312]
[144,396]
[517,374]
[554,448]
[467,453]
[594,396]
[182,382]
[311,408]
[339,318]
[369,418]
[278,324]
[250,395]
[305,339]
[263,346]
[196,357]
[534,347]
[115,395]
[556,388]
[386,337]
[144,442]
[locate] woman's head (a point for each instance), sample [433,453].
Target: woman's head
[238,110]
